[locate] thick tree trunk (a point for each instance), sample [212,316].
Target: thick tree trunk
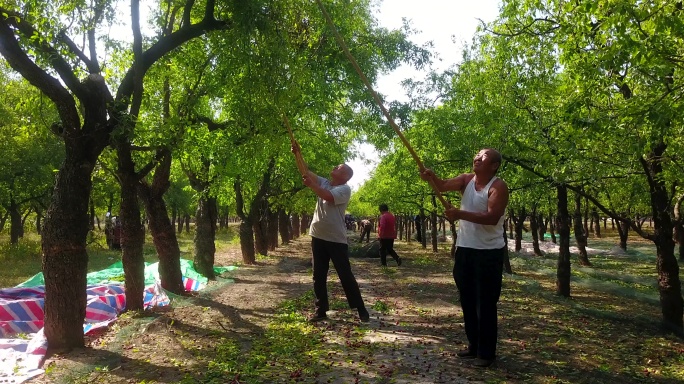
[260,237]
[247,242]
[205,234]
[164,238]
[679,239]
[580,235]
[669,284]
[260,220]
[623,232]
[542,226]
[294,225]
[65,260]
[132,239]
[563,266]
[132,234]
[284,226]
[272,230]
[304,224]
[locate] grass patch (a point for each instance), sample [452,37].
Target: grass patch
[23,260]
[290,348]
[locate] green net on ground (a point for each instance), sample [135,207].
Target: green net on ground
[115,273]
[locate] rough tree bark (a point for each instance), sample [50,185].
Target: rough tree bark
[563,265]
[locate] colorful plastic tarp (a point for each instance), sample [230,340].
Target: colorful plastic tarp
[21,312]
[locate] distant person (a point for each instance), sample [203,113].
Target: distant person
[387,232]
[366,227]
[329,237]
[419,228]
[479,255]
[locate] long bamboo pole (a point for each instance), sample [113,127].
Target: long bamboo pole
[378,101]
[301,166]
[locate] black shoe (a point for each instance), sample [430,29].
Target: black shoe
[399,262]
[317,317]
[364,316]
[482,363]
[466,354]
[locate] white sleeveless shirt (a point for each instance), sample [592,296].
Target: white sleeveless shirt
[478,236]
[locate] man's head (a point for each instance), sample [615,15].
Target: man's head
[341,174]
[487,161]
[383,208]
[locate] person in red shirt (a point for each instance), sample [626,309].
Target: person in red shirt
[387,232]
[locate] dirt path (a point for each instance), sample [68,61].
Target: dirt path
[412,337]
[412,342]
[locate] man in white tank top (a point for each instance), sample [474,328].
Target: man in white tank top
[478,261]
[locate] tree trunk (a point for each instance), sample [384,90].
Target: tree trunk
[166,244]
[15,222]
[132,239]
[552,228]
[433,224]
[679,239]
[534,230]
[563,266]
[623,232]
[132,235]
[205,234]
[669,284]
[304,224]
[161,227]
[284,226]
[180,224]
[260,227]
[597,222]
[519,226]
[541,225]
[423,230]
[272,229]
[247,242]
[507,259]
[580,235]
[65,259]
[294,224]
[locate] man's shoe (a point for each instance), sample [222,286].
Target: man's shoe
[466,354]
[364,316]
[399,262]
[317,317]
[482,363]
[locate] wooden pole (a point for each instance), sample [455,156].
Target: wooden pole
[378,101]
[301,166]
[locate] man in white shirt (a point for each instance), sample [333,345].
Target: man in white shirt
[329,237]
[478,260]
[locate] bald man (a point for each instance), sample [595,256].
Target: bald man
[329,237]
[480,245]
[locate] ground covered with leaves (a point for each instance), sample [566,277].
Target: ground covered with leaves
[249,326]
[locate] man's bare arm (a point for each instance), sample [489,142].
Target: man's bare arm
[457,183]
[496,207]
